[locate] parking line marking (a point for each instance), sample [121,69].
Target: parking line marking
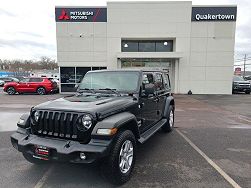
[244,118]
[41,182]
[210,161]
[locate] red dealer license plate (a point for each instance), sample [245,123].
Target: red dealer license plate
[41,152]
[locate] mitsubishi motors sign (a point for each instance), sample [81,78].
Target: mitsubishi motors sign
[81,14]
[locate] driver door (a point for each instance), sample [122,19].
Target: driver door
[23,86]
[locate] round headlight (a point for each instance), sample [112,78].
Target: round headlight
[87,121]
[36,116]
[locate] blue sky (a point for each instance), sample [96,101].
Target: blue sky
[28,26]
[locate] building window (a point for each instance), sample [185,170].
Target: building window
[147,46]
[164,46]
[70,76]
[80,73]
[130,46]
[98,68]
[68,88]
[67,74]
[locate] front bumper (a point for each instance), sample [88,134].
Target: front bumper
[241,88]
[61,150]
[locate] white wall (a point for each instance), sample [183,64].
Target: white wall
[212,57]
[81,44]
[154,20]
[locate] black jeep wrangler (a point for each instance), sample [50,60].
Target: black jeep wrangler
[111,112]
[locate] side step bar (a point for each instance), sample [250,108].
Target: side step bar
[147,134]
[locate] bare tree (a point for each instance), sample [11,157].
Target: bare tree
[18,65]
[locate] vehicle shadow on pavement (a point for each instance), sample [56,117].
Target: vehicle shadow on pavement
[90,175]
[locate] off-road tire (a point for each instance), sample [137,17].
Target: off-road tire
[168,126]
[33,160]
[41,91]
[110,167]
[11,90]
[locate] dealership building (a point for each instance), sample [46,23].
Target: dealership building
[194,44]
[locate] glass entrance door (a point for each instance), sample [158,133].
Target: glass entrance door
[164,64]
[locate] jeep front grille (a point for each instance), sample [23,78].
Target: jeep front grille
[60,125]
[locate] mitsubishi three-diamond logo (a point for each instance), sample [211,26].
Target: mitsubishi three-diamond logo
[63,15]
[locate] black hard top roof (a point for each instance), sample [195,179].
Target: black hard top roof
[129,70]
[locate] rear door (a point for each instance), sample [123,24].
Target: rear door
[163,91]
[161,94]
[148,103]
[34,83]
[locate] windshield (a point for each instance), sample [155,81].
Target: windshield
[119,81]
[238,78]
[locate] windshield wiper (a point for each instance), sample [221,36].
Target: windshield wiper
[86,89]
[109,89]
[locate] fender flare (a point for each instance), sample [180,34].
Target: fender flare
[119,121]
[169,101]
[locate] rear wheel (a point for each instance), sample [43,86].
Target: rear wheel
[33,160]
[41,91]
[168,126]
[120,163]
[11,90]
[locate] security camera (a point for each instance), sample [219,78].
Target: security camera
[81,35]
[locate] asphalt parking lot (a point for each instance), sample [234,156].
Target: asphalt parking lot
[210,130]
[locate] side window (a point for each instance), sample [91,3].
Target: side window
[147,81]
[159,82]
[32,80]
[36,80]
[166,81]
[24,80]
[148,78]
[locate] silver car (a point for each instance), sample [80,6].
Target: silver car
[1,83]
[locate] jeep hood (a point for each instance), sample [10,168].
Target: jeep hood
[96,105]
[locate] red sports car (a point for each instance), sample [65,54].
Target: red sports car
[41,86]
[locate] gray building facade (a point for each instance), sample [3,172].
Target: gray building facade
[194,44]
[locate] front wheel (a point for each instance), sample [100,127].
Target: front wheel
[119,165]
[11,91]
[168,126]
